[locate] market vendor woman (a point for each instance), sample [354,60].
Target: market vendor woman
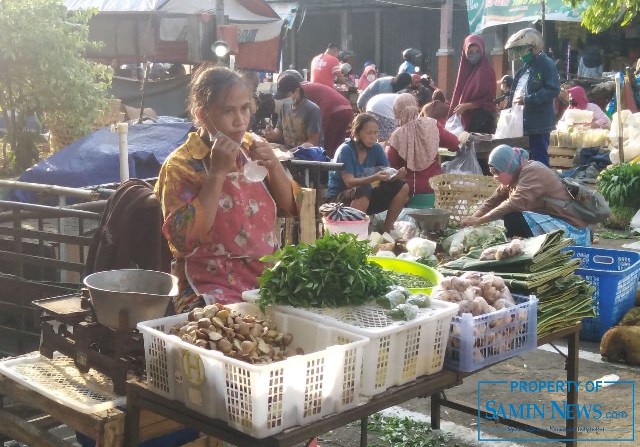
[218,222]
[520,198]
[364,183]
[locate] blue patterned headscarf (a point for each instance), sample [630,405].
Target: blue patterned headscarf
[507,159]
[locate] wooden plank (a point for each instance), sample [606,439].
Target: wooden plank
[20,430]
[156,426]
[562,151]
[45,236]
[205,441]
[47,262]
[308,216]
[561,162]
[107,425]
[288,231]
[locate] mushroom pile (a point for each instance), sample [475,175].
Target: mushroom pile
[243,337]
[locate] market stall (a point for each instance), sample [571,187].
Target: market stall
[333,335]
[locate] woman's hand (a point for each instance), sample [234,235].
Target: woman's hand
[401,174]
[462,108]
[381,176]
[224,155]
[262,152]
[471,221]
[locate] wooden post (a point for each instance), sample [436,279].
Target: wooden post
[308,216]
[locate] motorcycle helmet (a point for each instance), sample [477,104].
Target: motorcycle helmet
[522,41]
[345,69]
[412,56]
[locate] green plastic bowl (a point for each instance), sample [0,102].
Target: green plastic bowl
[415,268]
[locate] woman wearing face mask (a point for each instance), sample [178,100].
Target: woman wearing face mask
[368,76]
[363,183]
[474,93]
[520,200]
[219,221]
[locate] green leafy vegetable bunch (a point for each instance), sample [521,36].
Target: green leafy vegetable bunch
[332,272]
[620,185]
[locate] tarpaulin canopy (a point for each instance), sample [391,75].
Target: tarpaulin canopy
[94,159]
[486,13]
[181,30]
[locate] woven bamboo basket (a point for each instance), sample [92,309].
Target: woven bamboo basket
[461,194]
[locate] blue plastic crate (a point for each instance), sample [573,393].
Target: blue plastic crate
[614,274]
[476,342]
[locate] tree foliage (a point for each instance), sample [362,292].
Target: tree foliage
[600,15]
[43,71]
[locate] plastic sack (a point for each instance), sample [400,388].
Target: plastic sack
[635,221]
[469,238]
[314,153]
[465,161]
[510,123]
[454,125]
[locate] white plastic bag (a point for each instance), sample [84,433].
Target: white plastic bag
[635,221]
[510,123]
[465,161]
[454,125]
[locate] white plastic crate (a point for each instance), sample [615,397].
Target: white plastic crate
[260,400]
[60,380]
[476,342]
[398,351]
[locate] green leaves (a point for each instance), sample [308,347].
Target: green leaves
[43,68]
[332,272]
[600,15]
[404,432]
[620,185]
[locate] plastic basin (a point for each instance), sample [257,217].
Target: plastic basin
[415,268]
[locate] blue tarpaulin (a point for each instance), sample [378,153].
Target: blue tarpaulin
[94,159]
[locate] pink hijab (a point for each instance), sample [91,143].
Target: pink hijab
[578,98]
[417,138]
[363,82]
[475,83]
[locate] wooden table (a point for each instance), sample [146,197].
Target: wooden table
[571,334]
[106,426]
[139,397]
[32,414]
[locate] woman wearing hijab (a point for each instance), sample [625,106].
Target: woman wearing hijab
[578,100]
[520,200]
[368,76]
[414,146]
[475,88]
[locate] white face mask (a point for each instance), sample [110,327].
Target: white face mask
[371,77]
[287,101]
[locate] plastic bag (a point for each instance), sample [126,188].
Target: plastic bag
[465,161]
[510,123]
[635,221]
[454,125]
[466,239]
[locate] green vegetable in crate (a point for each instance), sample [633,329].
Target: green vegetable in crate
[419,299]
[409,280]
[396,295]
[332,272]
[338,212]
[403,311]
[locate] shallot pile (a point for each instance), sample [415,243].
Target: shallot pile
[244,337]
[504,251]
[481,294]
